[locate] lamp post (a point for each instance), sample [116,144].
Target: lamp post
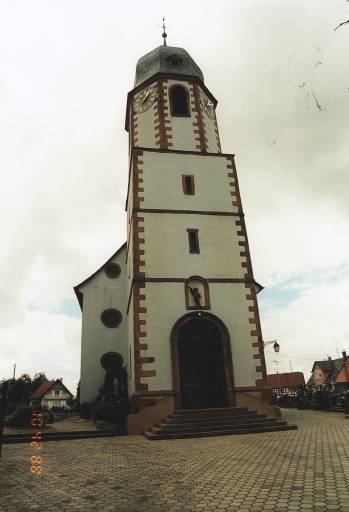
[276,346]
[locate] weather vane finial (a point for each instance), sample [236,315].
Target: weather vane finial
[164,35]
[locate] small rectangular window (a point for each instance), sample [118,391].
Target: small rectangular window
[188,184]
[193,239]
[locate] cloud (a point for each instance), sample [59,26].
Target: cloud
[310,327]
[42,342]
[64,80]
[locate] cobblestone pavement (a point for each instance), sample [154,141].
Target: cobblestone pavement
[301,470]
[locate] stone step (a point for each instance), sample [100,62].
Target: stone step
[182,435]
[222,417]
[204,423]
[213,411]
[201,429]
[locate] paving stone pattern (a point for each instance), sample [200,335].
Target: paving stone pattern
[300,470]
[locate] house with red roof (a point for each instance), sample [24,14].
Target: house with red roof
[285,380]
[330,371]
[51,393]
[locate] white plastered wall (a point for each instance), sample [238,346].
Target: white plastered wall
[166,301]
[146,125]
[162,182]
[167,249]
[101,293]
[212,144]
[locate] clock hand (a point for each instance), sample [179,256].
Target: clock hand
[146,96]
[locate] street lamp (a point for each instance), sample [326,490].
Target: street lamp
[276,346]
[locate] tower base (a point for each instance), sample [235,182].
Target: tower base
[155,407]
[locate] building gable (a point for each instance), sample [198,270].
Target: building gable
[100,278]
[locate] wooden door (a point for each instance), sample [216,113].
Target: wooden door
[201,366]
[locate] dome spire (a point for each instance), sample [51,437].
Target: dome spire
[164,35]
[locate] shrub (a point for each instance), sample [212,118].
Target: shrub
[48,416]
[10,408]
[86,409]
[109,413]
[21,417]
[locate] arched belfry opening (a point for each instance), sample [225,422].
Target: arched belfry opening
[201,362]
[179,101]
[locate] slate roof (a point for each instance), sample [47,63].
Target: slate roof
[166,59]
[331,366]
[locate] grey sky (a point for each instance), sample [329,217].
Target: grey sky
[281,76]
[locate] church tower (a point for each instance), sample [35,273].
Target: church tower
[194,335]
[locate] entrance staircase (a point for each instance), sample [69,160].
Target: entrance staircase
[214,422]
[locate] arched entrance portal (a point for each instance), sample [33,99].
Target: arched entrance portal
[201,361]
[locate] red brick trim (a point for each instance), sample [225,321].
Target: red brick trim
[138,333]
[164,76]
[134,129]
[138,287]
[256,332]
[246,264]
[148,373]
[199,123]
[187,212]
[219,147]
[162,119]
[185,152]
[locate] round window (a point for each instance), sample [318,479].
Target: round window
[113,270]
[111,317]
[111,360]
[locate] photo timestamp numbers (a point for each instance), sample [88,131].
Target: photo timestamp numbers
[36,443]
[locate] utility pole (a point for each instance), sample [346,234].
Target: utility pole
[277,371]
[14,371]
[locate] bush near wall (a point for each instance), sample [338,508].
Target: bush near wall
[86,410]
[21,417]
[110,413]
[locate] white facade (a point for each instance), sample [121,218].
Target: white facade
[101,293]
[152,290]
[57,395]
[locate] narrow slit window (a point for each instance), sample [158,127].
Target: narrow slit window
[193,239]
[188,184]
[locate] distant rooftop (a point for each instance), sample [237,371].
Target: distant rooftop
[285,380]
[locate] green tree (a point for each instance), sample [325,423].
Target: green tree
[37,380]
[20,390]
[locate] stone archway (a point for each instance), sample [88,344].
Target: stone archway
[201,362]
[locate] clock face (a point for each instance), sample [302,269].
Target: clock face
[207,104]
[144,100]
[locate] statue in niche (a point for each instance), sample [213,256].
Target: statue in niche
[196,295]
[114,388]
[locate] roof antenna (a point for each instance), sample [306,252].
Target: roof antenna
[164,35]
